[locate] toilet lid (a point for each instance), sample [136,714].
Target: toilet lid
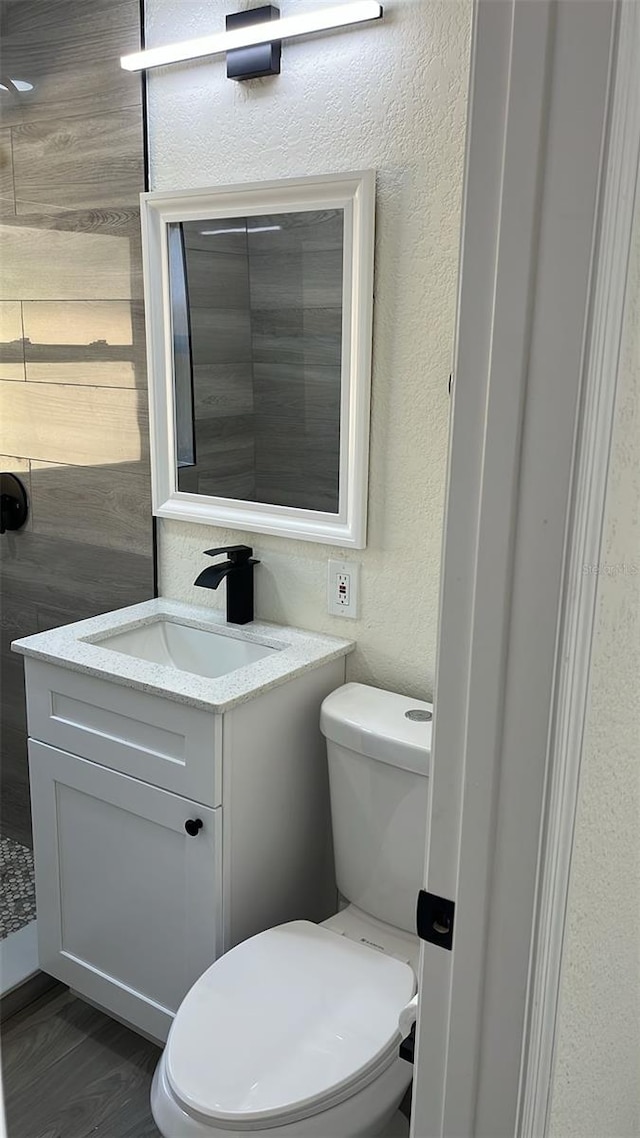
[293,1016]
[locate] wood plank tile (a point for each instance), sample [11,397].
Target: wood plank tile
[18,615]
[286,336]
[292,455]
[297,470]
[120,221]
[232,469]
[38,985]
[217,280]
[92,373]
[281,446]
[223,389]
[82,580]
[296,280]
[305,231]
[110,509]
[292,390]
[79,163]
[15,465]
[23,611]
[48,616]
[55,1025]
[132,1120]
[12,713]
[301,497]
[15,805]
[71,1072]
[93,343]
[220,336]
[221,457]
[7,196]
[82,426]
[83,265]
[11,341]
[70,53]
[239,487]
[223,430]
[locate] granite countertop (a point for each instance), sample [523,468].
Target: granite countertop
[77,647]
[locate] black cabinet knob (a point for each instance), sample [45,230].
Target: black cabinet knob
[193,826]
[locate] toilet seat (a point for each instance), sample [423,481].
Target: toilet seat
[287,1024]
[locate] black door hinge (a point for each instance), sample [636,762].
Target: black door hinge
[434,919]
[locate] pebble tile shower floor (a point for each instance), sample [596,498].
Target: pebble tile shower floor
[17,887]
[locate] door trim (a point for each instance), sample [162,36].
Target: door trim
[578,617]
[505,149]
[540,116]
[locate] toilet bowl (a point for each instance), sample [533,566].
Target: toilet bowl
[295,1033]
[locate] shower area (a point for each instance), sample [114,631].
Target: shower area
[73,404]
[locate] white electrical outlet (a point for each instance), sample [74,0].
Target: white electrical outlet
[343,587]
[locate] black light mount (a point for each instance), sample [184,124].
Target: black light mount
[260,59]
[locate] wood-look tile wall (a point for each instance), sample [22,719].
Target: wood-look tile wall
[266,334]
[295,277]
[217,272]
[73,400]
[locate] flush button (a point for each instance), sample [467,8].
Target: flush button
[417,715]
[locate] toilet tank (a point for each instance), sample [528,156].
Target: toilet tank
[378,751]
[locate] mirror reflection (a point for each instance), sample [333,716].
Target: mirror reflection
[257,346]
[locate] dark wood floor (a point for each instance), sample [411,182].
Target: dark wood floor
[69,1072]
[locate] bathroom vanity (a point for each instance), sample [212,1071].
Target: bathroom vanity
[176,812]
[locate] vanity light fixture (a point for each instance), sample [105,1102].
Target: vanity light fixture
[261,30]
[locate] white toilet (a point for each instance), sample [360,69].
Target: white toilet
[295,1031]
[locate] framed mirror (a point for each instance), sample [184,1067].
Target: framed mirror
[259,310]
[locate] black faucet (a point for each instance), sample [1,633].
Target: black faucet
[239,573]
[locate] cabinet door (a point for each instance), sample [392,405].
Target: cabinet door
[129,904]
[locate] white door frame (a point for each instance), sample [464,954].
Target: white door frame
[552,153]
[619,200]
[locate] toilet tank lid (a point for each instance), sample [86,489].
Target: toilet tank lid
[376,723]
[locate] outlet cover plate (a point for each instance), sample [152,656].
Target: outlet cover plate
[343,588]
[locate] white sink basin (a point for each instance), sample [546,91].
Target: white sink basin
[184,652]
[203,652]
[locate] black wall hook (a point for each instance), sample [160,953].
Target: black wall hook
[14,504]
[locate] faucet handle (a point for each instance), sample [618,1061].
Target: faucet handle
[238,554]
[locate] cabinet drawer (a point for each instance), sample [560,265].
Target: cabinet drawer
[129,903]
[169,745]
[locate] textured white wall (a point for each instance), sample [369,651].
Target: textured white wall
[393,97]
[597,1079]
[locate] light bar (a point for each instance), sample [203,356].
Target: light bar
[284,29]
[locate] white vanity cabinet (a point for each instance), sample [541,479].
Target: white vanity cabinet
[129,905]
[134,897]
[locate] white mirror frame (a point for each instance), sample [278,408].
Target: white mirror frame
[355,194]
